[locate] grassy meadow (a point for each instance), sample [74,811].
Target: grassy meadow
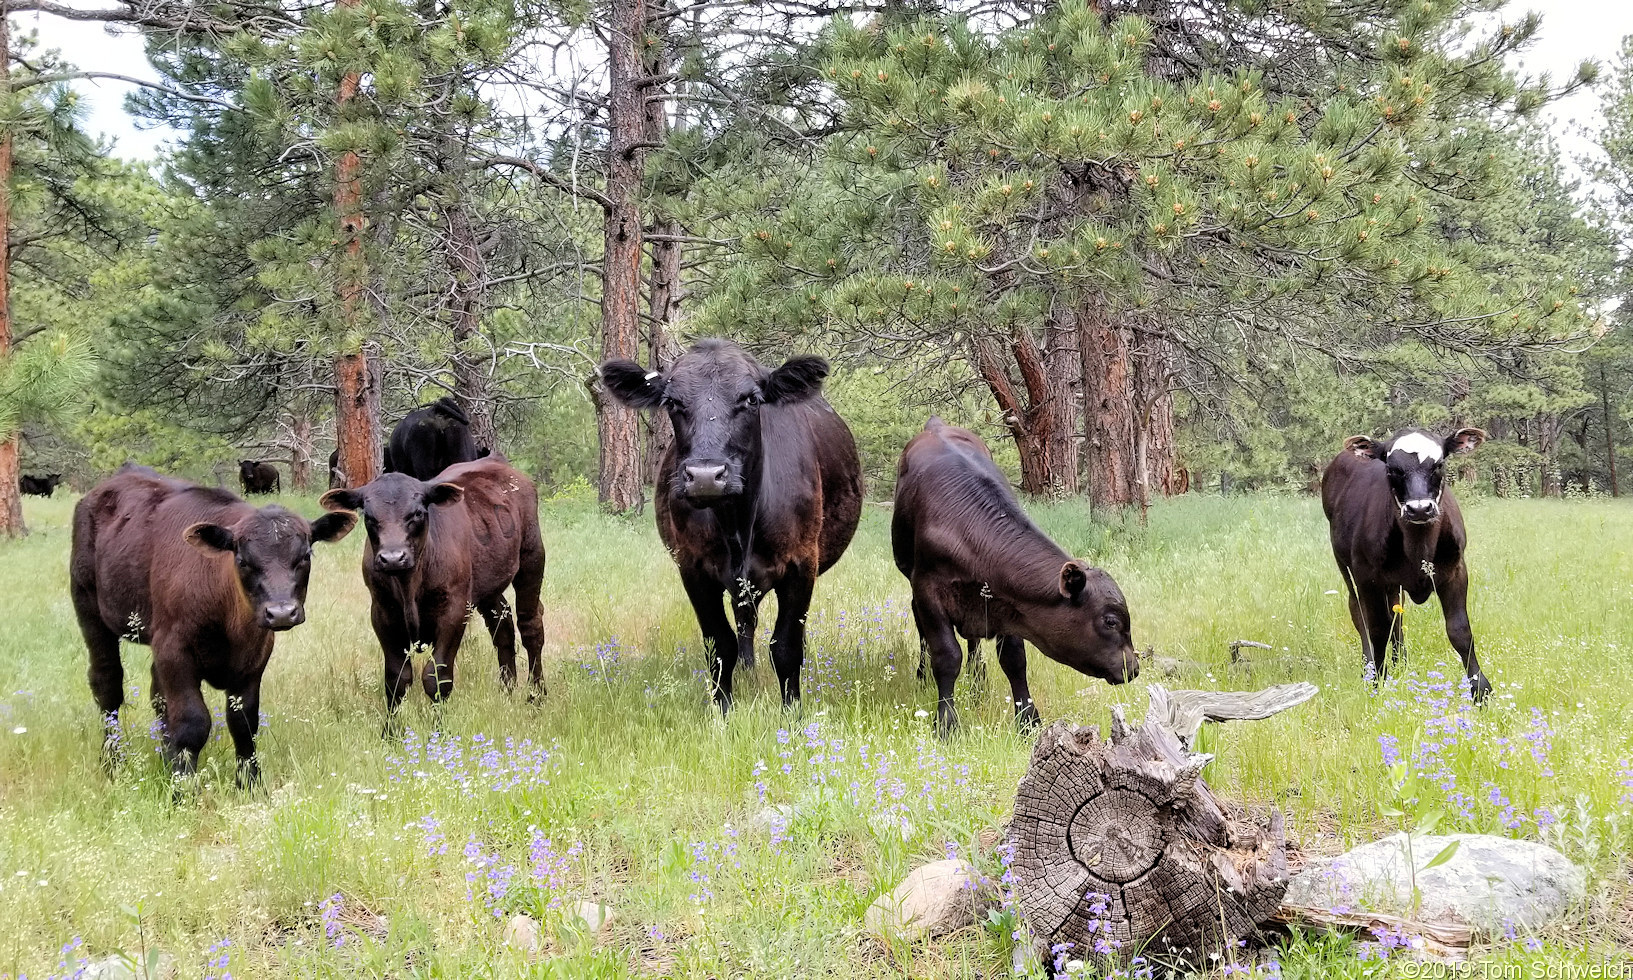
[751,847]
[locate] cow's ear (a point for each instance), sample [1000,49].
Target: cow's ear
[209,537]
[443,493]
[1464,441]
[1365,447]
[333,527]
[799,378]
[1074,578]
[632,384]
[341,499]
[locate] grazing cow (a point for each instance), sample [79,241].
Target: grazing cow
[978,565]
[258,477]
[1396,527]
[760,490]
[430,439]
[39,486]
[437,549]
[206,580]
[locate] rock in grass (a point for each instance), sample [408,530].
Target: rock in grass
[941,897]
[1488,883]
[524,934]
[593,915]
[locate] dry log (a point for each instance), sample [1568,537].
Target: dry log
[1444,940]
[1129,826]
[1184,711]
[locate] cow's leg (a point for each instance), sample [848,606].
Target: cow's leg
[1012,658]
[946,657]
[975,667]
[394,644]
[437,676]
[187,718]
[745,608]
[1453,587]
[1375,621]
[718,634]
[243,721]
[788,636]
[529,583]
[496,614]
[107,677]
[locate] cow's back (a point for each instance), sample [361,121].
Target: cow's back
[127,540]
[501,508]
[947,490]
[810,459]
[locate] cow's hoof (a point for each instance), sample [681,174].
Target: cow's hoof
[1479,688]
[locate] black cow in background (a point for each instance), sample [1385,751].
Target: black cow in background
[38,486]
[258,477]
[761,489]
[430,439]
[1396,527]
[337,478]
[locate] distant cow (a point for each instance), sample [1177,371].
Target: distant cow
[430,439]
[1396,526]
[39,486]
[438,549]
[206,580]
[979,566]
[760,490]
[259,477]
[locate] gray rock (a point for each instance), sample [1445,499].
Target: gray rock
[1490,883]
[777,814]
[940,897]
[593,915]
[524,934]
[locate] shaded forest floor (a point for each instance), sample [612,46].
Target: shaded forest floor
[364,857]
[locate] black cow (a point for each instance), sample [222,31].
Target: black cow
[430,439]
[337,477]
[437,550]
[204,578]
[1396,527]
[259,477]
[760,490]
[39,486]
[978,565]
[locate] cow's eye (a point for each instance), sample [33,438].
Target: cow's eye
[1112,622]
[748,398]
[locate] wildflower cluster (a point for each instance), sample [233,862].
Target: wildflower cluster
[1387,941]
[329,914]
[476,764]
[604,661]
[550,869]
[858,635]
[217,961]
[489,878]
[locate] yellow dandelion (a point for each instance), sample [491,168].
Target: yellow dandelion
[1397,608]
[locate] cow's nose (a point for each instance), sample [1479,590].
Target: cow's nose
[708,480]
[394,560]
[282,615]
[1419,511]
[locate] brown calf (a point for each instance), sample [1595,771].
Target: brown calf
[979,566]
[206,580]
[435,550]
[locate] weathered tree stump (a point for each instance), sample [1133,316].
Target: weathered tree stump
[1129,827]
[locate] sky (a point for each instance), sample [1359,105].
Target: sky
[1572,30]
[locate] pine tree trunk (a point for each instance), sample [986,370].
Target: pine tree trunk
[619,471]
[300,452]
[357,387]
[1064,365]
[11,500]
[1027,424]
[1549,429]
[1110,423]
[665,293]
[473,386]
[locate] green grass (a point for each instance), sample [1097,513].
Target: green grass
[643,776]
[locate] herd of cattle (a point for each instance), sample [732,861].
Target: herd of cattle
[760,491]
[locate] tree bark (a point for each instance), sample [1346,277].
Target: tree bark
[665,293]
[11,500]
[357,385]
[619,470]
[473,385]
[1610,432]
[1109,420]
[1063,364]
[300,452]
[1020,416]
[1549,428]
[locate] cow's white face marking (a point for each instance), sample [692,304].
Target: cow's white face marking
[1419,445]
